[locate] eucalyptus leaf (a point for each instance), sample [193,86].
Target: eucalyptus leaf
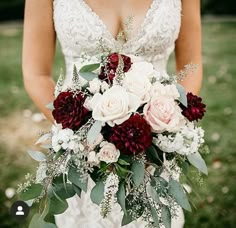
[36,221]
[166,216]
[89,76]
[94,131]
[97,193]
[57,205]
[89,67]
[155,217]
[127,218]
[197,161]
[153,193]
[183,97]
[77,190]
[64,191]
[176,190]
[152,155]
[138,172]
[37,155]
[75,178]
[121,197]
[43,138]
[32,192]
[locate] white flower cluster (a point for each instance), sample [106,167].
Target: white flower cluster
[110,190]
[185,142]
[95,86]
[65,139]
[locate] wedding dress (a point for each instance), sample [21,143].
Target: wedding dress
[79,29]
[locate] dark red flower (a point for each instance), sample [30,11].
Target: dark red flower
[69,110]
[109,69]
[195,109]
[133,136]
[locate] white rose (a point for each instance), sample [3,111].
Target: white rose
[94,86]
[108,153]
[142,69]
[163,114]
[114,106]
[93,158]
[159,89]
[138,83]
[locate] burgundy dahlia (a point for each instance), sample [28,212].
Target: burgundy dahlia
[108,71]
[133,136]
[195,109]
[69,110]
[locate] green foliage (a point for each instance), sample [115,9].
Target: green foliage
[32,192]
[138,172]
[97,193]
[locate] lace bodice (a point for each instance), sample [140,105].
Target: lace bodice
[79,28]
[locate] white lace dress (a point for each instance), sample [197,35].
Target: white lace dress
[78,29]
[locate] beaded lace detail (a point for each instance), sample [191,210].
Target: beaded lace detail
[78,30]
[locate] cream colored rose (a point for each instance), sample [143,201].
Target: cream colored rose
[114,106]
[108,153]
[163,114]
[137,81]
[159,89]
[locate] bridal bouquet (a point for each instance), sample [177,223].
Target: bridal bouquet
[129,128]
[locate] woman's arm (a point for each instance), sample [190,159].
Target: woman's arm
[188,46]
[38,52]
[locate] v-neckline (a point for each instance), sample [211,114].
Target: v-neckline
[108,32]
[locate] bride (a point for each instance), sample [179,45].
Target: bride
[158,27]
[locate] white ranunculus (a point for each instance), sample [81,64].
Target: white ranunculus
[94,86]
[104,86]
[159,89]
[114,106]
[93,158]
[108,153]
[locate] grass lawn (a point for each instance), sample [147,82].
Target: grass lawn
[215,200]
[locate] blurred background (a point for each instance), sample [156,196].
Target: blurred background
[21,123]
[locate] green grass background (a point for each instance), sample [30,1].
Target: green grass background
[215,199]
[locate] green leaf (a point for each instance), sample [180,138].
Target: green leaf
[197,161]
[37,155]
[166,216]
[121,197]
[127,218]
[89,67]
[57,205]
[33,192]
[89,76]
[138,172]
[75,178]
[38,222]
[94,131]
[123,162]
[178,193]
[155,217]
[183,97]
[64,191]
[153,193]
[152,155]
[50,106]
[77,190]
[97,193]
[43,138]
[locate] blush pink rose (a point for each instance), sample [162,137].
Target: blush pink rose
[163,114]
